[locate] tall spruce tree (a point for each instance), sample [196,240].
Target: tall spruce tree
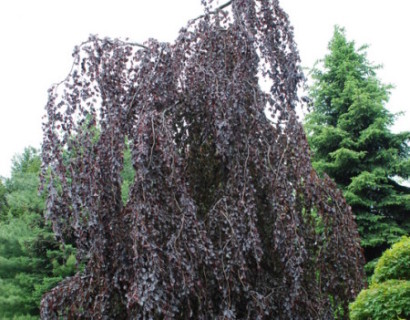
[350,136]
[31,260]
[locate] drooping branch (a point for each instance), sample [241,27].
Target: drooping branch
[225,216]
[89,41]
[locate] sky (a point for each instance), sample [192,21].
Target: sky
[38,37]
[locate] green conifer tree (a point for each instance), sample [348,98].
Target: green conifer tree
[3,202]
[351,141]
[31,260]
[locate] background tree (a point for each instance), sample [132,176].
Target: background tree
[349,133]
[31,261]
[388,296]
[225,217]
[3,202]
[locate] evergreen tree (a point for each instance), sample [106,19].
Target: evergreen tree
[3,202]
[350,137]
[31,260]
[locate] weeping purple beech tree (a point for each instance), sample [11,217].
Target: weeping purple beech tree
[226,219]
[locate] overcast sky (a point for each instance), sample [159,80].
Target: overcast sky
[37,39]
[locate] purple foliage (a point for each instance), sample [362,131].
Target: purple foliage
[226,218]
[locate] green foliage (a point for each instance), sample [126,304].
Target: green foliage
[394,263]
[22,195]
[31,260]
[127,174]
[384,301]
[389,294]
[348,131]
[3,202]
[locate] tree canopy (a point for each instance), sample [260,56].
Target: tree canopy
[225,216]
[349,133]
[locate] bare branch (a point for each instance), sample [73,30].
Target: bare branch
[217,10]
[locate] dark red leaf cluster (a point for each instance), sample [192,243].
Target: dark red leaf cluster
[226,219]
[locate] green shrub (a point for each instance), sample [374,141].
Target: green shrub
[394,263]
[384,301]
[388,296]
